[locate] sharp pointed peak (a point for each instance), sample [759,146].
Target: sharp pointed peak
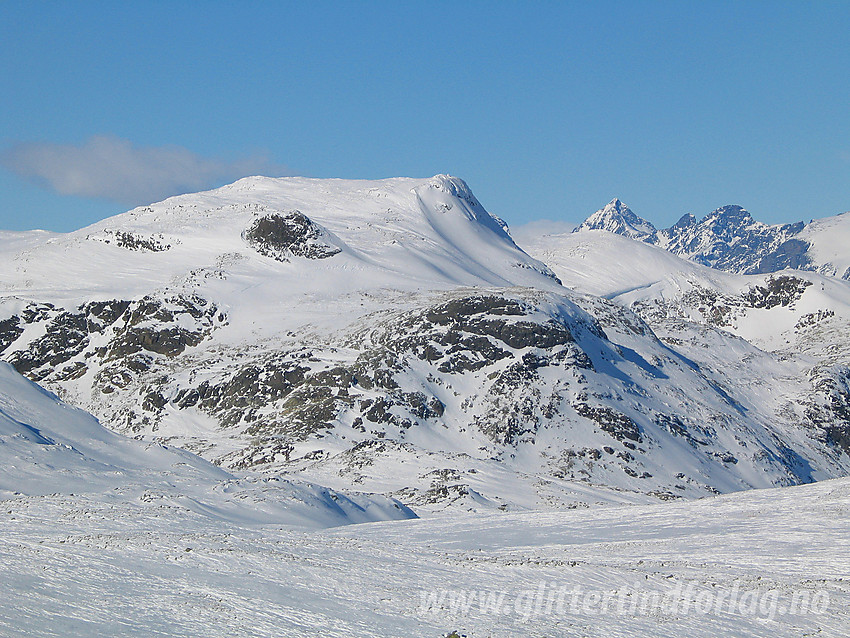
[618,218]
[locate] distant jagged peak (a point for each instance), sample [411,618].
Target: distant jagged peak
[618,218]
[685,221]
[730,215]
[729,238]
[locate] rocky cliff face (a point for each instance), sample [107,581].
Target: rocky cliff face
[730,239]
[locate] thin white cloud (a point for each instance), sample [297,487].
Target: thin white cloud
[113,168]
[530,231]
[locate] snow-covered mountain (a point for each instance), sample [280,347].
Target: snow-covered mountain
[777,339]
[391,336]
[730,239]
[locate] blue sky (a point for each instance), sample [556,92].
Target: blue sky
[548,110]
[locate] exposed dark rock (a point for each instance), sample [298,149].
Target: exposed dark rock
[452,310]
[251,387]
[152,325]
[831,415]
[121,375]
[468,315]
[280,396]
[10,330]
[264,450]
[778,291]
[726,457]
[790,254]
[66,337]
[122,338]
[614,423]
[37,312]
[71,372]
[133,241]
[291,235]
[813,318]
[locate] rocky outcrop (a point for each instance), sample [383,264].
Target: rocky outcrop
[282,236]
[582,385]
[154,243]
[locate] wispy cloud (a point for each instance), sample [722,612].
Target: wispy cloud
[532,230]
[113,168]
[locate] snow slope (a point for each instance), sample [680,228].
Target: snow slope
[399,233]
[48,447]
[661,285]
[776,342]
[827,240]
[759,563]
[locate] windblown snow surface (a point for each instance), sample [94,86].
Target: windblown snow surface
[757,563]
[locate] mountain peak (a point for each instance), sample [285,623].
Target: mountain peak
[731,214]
[686,220]
[618,218]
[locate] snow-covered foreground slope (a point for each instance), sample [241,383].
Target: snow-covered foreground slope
[48,447]
[391,337]
[760,563]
